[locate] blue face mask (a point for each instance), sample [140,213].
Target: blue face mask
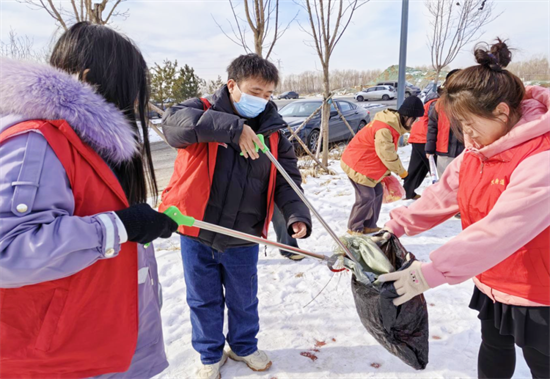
[250,106]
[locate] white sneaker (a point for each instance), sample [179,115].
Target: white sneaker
[258,361]
[212,371]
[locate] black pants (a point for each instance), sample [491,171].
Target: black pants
[497,355]
[419,166]
[279,225]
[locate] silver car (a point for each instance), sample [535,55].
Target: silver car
[376,93]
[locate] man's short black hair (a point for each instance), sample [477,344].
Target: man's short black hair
[252,66]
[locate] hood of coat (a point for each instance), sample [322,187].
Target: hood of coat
[268,121]
[391,117]
[33,91]
[535,122]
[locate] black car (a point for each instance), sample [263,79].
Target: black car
[295,114]
[289,95]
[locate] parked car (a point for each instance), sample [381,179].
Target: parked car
[297,112]
[288,95]
[153,115]
[410,90]
[381,92]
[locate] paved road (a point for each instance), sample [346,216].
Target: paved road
[164,156]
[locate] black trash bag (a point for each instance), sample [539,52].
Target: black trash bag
[402,330]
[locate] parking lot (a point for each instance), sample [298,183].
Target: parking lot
[389,103]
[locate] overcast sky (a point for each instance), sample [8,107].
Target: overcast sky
[185,30]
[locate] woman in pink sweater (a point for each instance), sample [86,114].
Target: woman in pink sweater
[501,186]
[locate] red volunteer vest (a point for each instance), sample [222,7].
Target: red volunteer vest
[526,272]
[419,130]
[443,130]
[190,185]
[86,324]
[360,154]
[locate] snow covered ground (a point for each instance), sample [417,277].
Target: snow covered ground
[323,338]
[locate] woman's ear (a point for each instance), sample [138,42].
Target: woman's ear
[502,112]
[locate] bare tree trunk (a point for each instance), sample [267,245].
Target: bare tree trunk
[436,80]
[262,19]
[326,114]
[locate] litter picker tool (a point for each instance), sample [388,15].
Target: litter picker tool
[299,192]
[182,220]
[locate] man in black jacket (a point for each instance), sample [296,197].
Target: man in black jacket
[239,200]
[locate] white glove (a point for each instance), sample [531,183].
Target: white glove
[408,283]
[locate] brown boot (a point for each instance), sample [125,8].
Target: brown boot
[371,230]
[354,233]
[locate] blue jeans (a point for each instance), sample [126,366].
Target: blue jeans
[207,272]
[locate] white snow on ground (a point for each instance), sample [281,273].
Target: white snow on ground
[328,329]
[153,135]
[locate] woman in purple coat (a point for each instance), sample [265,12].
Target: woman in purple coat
[79,292]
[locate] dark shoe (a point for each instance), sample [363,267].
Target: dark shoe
[293,257]
[415,197]
[457,216]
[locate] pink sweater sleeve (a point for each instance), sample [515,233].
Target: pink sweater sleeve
[437,204]
[519,215]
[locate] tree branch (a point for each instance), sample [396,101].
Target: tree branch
[112,10]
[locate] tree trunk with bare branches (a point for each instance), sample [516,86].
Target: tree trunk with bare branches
[325,38]
[262,19]
[79,10]
[454,25]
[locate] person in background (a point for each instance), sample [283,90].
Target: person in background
[441,141]
[80,295]
[501,185]
[419,165]
[281,231]
[372,155]
[234,191]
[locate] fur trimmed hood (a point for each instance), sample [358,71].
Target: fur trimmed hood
[39,91]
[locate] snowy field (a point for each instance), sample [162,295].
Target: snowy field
[323,338]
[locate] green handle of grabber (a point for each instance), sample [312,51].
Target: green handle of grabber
[175,214]
[180,219]
[261,138]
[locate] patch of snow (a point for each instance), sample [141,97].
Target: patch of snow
[292,332]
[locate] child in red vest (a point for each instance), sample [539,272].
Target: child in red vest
[501,185]
[213,182]
[79,290]
[372,155]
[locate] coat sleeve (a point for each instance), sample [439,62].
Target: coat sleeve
[47,242]
[292,207]
[188,123]
[517,217]
[385,149]
[438,203]
[431,137]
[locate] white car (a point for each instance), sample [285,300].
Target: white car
[376,93]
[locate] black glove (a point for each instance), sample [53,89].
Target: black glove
[143,224]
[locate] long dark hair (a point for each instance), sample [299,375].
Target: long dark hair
[115,66]
[479,89]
